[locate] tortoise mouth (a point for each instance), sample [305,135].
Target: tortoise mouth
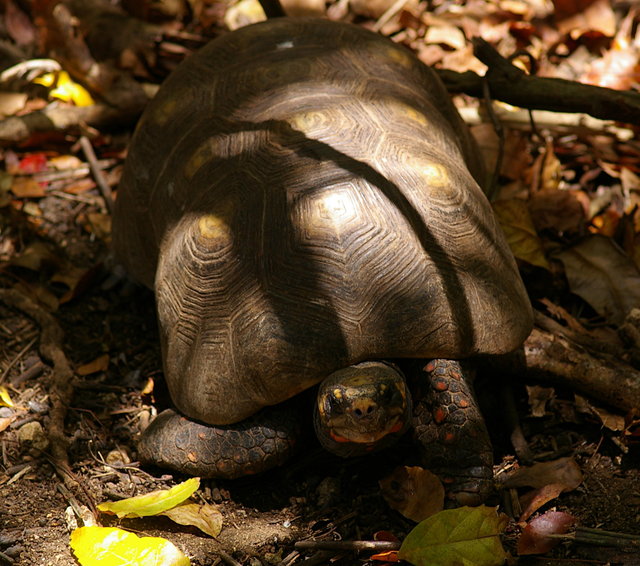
[344,433]
[362,408]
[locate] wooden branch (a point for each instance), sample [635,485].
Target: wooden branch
[509,84]
[59,118]
[554,359]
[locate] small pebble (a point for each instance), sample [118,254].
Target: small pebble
[32,435]
[38,407]
[6,412]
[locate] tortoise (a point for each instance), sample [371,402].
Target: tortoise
[305,202]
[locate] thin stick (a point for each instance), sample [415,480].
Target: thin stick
[98,177]
[342,545]
[390,12]
[15,360]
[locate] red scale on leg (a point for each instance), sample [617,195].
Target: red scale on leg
[451,430]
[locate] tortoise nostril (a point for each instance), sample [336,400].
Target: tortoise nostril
[364,411]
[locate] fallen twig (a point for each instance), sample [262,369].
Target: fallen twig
[509,84]
[554,358]
[599,537]
[350,545]
[94,166]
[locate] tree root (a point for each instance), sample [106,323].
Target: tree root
[62,380]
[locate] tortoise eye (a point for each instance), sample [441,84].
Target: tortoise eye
[334,401]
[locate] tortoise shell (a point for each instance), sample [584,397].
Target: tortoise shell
[302,196]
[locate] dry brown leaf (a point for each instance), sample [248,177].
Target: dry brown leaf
[447,35]
[576,17]
[603,275]
[414,492]
[101,363]
[80,186]
[11,103]
[205,517]
[551,172]
[535,537]
[560,313]
[65,162]
[618,68]
[26,187]
[552,209]
[5,422]
[534,500]
[97,223]
[35,257]
[370,8]
[538,398]
[609,420]
[564,471]
[303,8]
[243,13]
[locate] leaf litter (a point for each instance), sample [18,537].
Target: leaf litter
[576,170]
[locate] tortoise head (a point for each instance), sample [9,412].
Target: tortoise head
[362,408]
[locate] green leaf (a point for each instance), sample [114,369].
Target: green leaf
[110,546]
[152,503]
[468,536]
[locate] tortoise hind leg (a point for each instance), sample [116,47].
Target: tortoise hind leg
[252,446]
[449,427]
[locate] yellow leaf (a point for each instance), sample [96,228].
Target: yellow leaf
[109,546]
[515,221]
[152,503]
[63,88]
[206,517]
[101,363]
[5,398]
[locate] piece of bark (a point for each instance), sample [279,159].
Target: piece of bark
[554,359]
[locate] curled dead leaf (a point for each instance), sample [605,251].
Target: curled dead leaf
[535,537]
[101,363]
[205,517]
[414,492]
[537,498]
[603,275]
[563,471]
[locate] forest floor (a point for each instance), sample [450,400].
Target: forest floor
[54,249]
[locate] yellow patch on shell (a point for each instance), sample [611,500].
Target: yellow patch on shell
[163,113]
[337,393]
[400,57]
[411,113]
[435,174]
[214,227]
[205,152]
[307,122]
